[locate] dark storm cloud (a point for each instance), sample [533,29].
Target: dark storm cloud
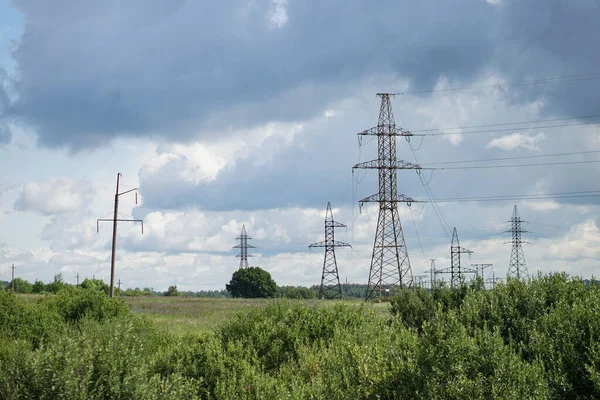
[87,73]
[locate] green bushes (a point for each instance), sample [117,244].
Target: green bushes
[523,340]
[551,321]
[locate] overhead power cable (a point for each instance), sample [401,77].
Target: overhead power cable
[514,158]
[509,129]
[556,79]
[515,165]
[531,196]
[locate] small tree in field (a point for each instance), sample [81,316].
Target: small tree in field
[252,282]
[172,291]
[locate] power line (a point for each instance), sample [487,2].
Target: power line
[509,129]
[535,196]
[558,79]
[539,121]
[515,158]
[517,165]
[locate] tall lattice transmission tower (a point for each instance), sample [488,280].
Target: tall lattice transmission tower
[330,280]
[517,267]
[390,266]
[243,246]
[455,268]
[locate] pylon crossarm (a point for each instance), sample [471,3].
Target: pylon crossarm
[376,130]
[247,246]
[318,244]
[400,198]
[335,243]
[334,224]
[397,164]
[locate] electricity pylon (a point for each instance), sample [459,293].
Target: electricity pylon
[114,236]
[455,252]
[517,267]
[243,246]
[330,280]
[390,266]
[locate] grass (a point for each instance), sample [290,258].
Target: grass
[191,314]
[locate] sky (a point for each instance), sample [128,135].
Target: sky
[236,113]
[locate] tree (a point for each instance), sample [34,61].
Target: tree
[252,282]
[21,286]
[38,287]
[172,291]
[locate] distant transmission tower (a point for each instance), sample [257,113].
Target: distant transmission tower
[517,267]
[455,252]
[243,246]
[390,266]
[330,280]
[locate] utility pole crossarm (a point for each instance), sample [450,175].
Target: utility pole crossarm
[118,220]
[334,224]
[394,131]
[396,164]
[248,246]
[400,198]
[327,243]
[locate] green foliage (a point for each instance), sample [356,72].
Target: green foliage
[95,284]
[252,282]
[172,291]
[21,286]
[523,340]
[296,292]
[38,287]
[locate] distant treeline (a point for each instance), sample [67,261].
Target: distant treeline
[349,290]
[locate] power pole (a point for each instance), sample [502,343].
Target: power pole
[330,280]
[493,280]
[517,267]
[243,246]
[455,252]
[114,220]
[119,283]
[477,267]
[390,266]
[13,277]
[78,279]
[419,280]
[432,273]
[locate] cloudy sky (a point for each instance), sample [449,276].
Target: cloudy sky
[246,112]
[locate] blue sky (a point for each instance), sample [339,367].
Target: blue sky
[246,112]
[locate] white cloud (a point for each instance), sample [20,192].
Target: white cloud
[278,16]
[543,205]
[517,140]
[57,196]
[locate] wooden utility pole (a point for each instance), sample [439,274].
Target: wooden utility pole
[114,235]
[13,276]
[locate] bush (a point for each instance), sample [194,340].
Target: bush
[252,282]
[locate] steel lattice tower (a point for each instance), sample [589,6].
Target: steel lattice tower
[243,246]
[517,267]
[390,266]
[330,280]
[455,252]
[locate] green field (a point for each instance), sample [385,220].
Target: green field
[193,314]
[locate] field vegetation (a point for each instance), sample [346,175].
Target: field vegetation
[522,340]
